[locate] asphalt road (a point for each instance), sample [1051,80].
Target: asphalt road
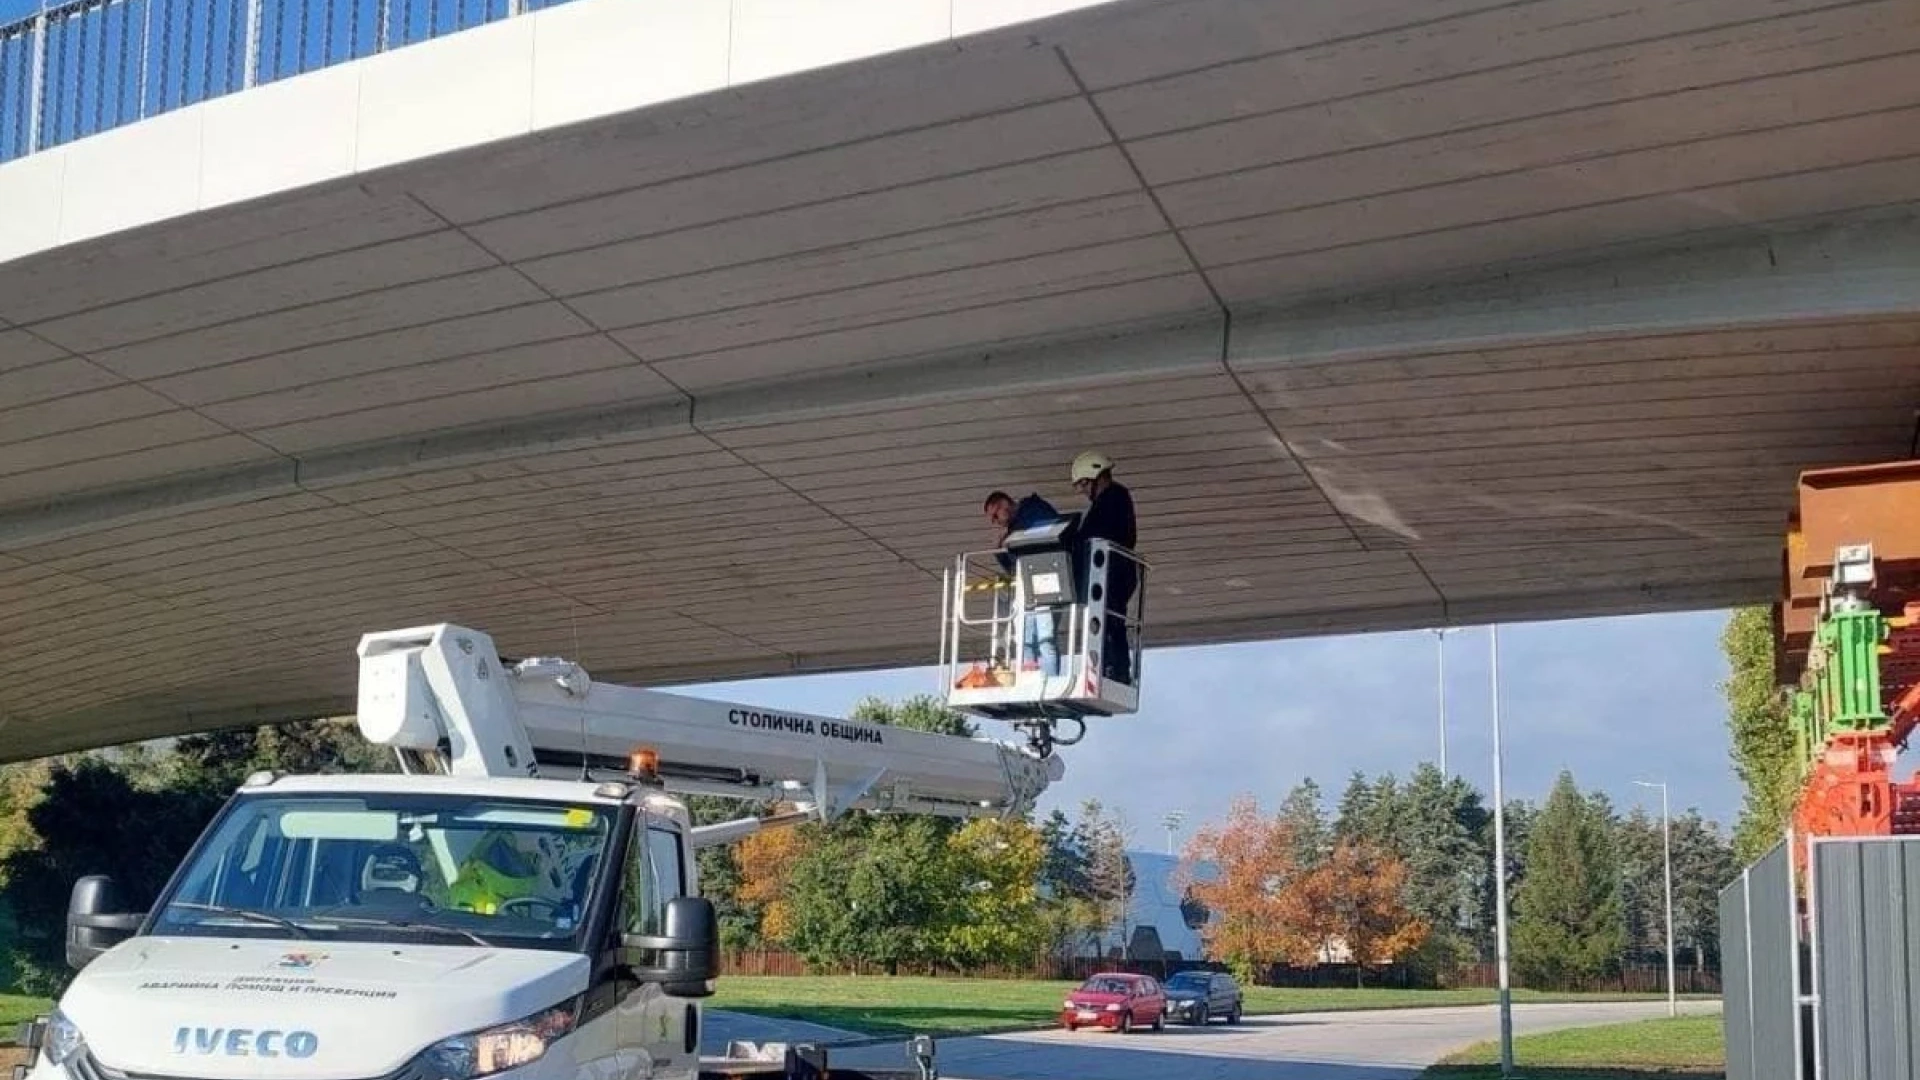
[1375,1045]
[721,1027]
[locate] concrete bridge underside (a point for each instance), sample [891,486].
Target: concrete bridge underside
[684,339]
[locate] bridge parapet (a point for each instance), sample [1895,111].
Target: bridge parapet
[78,68]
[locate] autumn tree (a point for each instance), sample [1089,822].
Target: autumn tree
[720,872]
[1355,897]
[766,861]
[1255,920]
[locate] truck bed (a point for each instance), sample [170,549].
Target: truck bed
[722,1070]
[806,1061]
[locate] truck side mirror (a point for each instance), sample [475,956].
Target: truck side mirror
[686,958]
[95,922]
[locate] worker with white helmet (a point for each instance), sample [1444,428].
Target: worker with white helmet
[1109,517]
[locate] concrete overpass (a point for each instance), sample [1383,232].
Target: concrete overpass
[685,338]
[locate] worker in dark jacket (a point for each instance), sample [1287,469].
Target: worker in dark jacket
[1009,516]
[1109,517]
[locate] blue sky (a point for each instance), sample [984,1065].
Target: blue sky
[1616,700]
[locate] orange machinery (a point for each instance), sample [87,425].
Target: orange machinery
[1847,644]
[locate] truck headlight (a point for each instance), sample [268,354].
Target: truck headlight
[62,1040]
[497,1049]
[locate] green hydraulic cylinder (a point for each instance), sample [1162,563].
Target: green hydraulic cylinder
[1850,678]
[1807,737]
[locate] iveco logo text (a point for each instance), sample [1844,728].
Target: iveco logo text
[245,1042]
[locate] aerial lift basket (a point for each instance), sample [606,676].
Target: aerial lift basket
[1085,597]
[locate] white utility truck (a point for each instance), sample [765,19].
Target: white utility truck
[520,902]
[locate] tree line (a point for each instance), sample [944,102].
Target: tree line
[1402,872]
[132,812]
[1399,870]
[922,893]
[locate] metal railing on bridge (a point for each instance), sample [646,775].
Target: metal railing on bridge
[73,69]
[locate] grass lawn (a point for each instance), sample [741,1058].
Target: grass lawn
[14,1011]
[901,1006]
[1689,1046]
[898,1006]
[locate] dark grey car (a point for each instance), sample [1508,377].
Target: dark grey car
[1195,997]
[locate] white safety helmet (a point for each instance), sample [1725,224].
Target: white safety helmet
[1090,465]
[391,868]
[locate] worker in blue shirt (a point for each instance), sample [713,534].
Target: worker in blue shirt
[1008,516]
[1109,517]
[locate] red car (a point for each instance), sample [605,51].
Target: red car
[1118,1001]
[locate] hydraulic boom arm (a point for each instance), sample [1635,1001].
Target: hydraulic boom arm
[443,698]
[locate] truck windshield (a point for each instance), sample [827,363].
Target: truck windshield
[438,869]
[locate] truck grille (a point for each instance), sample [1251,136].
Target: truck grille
[83,1067]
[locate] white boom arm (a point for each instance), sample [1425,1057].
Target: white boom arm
[444,699]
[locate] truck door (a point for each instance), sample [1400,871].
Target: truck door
[660,1028]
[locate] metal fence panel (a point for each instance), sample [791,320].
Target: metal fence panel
[1770,959]
[1866,927]
[1759,942]
[1736,997]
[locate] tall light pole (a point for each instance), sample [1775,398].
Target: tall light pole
[1172,822]
[1666,855]
[1440,647]
[1500,865]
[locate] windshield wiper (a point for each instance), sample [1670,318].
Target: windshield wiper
[417,927]
[244,913]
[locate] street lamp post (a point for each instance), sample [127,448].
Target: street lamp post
[1440,647]
[1500,866]
[1666,856]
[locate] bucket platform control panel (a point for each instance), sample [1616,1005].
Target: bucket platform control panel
[1046,628]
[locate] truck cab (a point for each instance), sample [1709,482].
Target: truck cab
[427,927]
